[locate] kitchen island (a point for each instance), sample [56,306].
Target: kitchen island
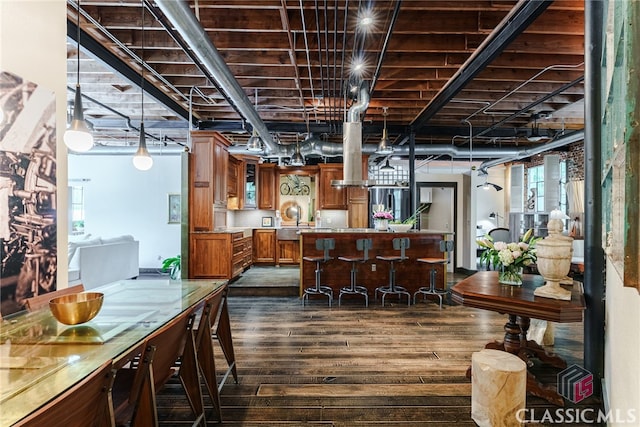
[373,273]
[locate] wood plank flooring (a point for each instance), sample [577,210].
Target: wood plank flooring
[356,366]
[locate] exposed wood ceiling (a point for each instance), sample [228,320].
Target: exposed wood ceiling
[443,69]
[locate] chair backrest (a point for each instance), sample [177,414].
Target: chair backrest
[446,247]
[401,243]
[160,352]
[325,245]
[86,404]
[499,234]
[42,300]
[204,347]
[364,245]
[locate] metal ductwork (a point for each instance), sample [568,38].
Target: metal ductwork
[182,18]
[352,144]
[560,142]
[124,150]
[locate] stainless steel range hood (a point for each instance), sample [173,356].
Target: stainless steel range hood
[352,145]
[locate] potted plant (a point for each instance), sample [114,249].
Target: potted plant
[411,221]
[173,266]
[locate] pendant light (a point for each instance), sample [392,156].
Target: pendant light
[254,143]
[78,136]
[384,146]
[142,160]
[387,167]
[297,159]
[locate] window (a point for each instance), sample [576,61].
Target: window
[76,210]
[535,186]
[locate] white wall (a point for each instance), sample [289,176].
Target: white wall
[622,345]
[120,199]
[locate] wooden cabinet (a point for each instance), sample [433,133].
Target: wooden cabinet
[209,256]
[267,186]
[208,169]
[264,246]
[249,179]
[330,197]
[358,202]
[288,252]
[200,185]
[233,177]
[219,255]
[220,170]
[242,182]
[241,256]
[358,207]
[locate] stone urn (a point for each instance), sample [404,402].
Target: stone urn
[554,261]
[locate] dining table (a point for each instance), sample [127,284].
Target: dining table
[40,357]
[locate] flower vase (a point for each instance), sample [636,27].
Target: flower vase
[510,275]
[381,224]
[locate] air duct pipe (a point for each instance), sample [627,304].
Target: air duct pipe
[130,150]
[352,144]
[561,142]
[190,29]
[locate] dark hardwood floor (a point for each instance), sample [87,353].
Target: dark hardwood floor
[356,366]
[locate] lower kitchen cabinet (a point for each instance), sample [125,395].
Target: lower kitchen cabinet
[264,246]
[219,255]
[288,252]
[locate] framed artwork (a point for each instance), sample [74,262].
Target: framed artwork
[267,221]
[174,208]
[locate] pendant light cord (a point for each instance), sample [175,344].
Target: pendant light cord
[142,66]
[78,43]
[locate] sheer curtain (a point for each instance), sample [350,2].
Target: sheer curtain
[575,199]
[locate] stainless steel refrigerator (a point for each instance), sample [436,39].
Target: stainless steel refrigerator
[395,199]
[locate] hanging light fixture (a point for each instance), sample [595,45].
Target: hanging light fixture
[297,159]
[254,143]
[142,160]
[387,167]
[384,146]
[78,136]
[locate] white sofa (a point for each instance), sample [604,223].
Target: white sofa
[98,261]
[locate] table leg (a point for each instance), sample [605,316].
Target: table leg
[515,342]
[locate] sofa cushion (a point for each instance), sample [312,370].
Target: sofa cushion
[74,275]
[118,239]
[73,246]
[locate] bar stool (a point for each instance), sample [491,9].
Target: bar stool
[324,245]
[361,245]
[399,243]
[446,246]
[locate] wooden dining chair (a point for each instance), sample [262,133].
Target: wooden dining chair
[86,404]
[42,300]
[134,389]
[204,348]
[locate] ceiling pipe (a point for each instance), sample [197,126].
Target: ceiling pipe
[528,152]
[130,150]
[313,146]
[189,28]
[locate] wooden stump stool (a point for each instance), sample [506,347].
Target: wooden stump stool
[498,388]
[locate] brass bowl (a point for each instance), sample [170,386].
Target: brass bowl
[76,308]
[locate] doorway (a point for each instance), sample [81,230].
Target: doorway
[443,211]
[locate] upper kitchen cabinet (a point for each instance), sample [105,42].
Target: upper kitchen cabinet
[330,197]
[208,169]
[267,186]
[250,180]
[243,189]
[233,178]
